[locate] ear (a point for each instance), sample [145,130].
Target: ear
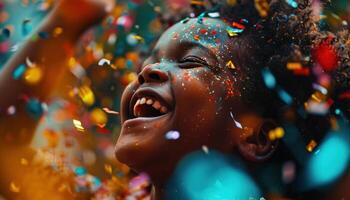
[255,144]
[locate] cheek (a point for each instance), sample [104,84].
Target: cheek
[199,99]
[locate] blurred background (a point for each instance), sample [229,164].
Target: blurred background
[79,126]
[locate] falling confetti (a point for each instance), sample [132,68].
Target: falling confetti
[205,149]
[14,188]
[172,135]
[311,146]
[230,65]
[103,62]
[107,110]
[77,124]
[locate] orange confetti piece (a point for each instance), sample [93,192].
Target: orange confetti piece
[14,188]
[311,146]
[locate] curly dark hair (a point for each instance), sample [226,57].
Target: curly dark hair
[286,34]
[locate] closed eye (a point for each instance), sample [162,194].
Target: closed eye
[193,60]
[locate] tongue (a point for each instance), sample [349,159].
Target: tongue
[148,111]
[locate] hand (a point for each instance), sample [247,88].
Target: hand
[81,14]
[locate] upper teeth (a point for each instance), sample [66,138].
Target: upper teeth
[149,101]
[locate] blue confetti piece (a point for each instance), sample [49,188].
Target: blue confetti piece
[292,3]
[234,30]
[34,108]
[80,171]
[285,96]
[269,79]
[43,35]
[200,18]
[19,72]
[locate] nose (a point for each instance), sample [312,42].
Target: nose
[152,73]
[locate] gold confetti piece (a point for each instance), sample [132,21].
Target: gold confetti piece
[137,37]
[77,124]
[230,65]
[14,187]
[108,168]
[276,133]
[279,132]
[98,117]
[33,75]
[262,6]
[231,2]
[24,161]
[57,31]
[293,65]
[231,33]
[311,146]
[86,95]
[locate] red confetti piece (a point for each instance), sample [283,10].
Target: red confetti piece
[345,95]
[237,25]
[302,72]
[326,56]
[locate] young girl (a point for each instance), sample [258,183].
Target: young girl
[259,82]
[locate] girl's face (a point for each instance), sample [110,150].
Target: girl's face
[182,99]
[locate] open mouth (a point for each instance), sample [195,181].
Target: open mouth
[148,105]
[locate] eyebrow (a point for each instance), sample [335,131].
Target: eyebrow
[188,45]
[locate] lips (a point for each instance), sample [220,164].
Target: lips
[150,103]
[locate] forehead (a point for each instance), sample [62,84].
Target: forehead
[206,32]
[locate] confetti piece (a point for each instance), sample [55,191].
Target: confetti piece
[311,146]
[103,62]
[57,31]
[26,27]
[230,65]
[34,108]
[294,65]
[137,37]
[292,3]
[80,171]
[14,188]
[196,2]
[238,125]
[231,2]
[86,95]
[288,172]
[19,71]
[276,133]
[214,14]
[98,117]
[43,35]
[77,124]
[237,25]
[285,96]
[172,135]
[11,110]
[262,6]
[107,110]
[269,78]
[232,32]
[200,18]
[6,32]
[108,168]
[205,149]
[320,88]
[33,75]
[24,161]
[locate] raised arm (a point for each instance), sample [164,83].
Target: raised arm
[50,55]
